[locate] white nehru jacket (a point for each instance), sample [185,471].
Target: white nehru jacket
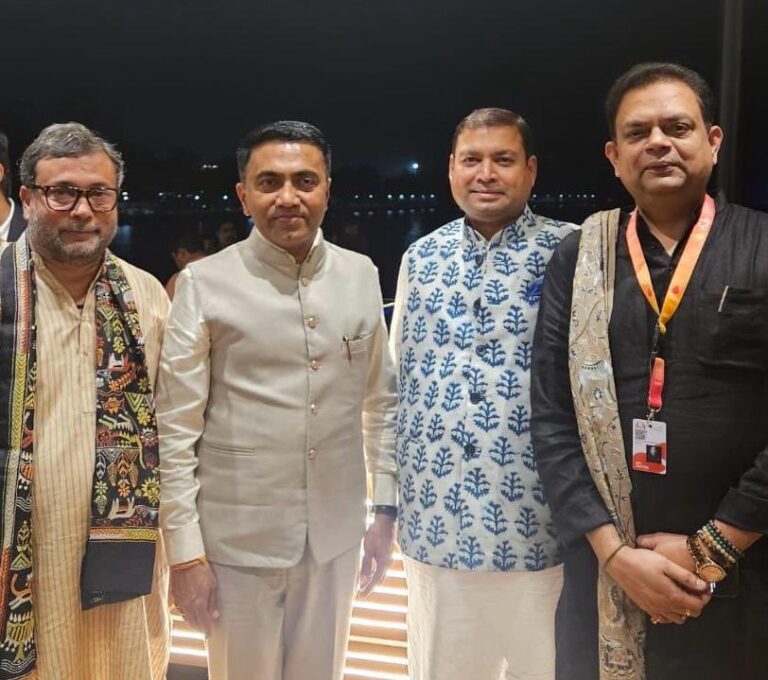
[275,379]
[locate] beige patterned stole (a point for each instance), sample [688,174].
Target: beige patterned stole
[622,623]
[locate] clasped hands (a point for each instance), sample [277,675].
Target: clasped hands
[659,577]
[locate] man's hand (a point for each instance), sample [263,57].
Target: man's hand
[658,585]
[377,548]
[672,546]
[194,593]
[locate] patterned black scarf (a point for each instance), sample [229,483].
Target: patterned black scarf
[120,553]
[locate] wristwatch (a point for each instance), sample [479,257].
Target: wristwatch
[388,510]
[706,568]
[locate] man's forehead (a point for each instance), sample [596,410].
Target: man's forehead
[93,164]
[496,137]
[664,98]
[279,155]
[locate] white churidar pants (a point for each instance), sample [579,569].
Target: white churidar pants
[481,625]
[283,624]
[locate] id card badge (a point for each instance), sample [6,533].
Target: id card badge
[649,446]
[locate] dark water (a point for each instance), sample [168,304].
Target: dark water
[382,234]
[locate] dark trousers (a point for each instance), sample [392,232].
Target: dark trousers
[729,641]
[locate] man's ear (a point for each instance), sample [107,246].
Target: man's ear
[715,136]
[25,196]
[532,163]
[240,190]
[612,154]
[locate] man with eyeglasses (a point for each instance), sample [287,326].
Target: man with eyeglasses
[80,334]
[12,222]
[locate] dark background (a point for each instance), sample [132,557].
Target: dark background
[177,84]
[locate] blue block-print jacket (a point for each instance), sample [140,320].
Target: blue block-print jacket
[470,496]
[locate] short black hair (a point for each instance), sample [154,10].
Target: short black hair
[5,161]
[496,117]
[648,73]
[190,241]
[282,131]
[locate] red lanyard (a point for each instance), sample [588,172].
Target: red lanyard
[677,286]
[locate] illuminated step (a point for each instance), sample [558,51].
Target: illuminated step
[387,654]
[353,673]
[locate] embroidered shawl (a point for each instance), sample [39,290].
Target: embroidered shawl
[120,551]
[621,622]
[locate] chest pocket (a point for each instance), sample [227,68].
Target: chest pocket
[732,328]
[358,344]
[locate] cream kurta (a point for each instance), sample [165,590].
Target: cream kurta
[125,641]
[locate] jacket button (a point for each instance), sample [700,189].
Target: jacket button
[312,453]
[313,409]
[304,281]
[312,322]
[314,364]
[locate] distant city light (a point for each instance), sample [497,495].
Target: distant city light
[414,167]
[225,197]
[197,197]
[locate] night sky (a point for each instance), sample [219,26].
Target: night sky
[386,81]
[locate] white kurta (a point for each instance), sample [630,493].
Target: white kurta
[125,641]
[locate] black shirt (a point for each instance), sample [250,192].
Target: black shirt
[716,410]
[716,388]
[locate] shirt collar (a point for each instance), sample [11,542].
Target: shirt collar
[268,252]
[649,242]
[42,271]
[5,227]
[514,232]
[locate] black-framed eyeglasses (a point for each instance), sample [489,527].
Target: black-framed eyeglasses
[63,198]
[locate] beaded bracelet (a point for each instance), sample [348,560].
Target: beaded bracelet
[711,528]
[716,550]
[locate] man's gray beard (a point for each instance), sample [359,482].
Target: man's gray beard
[46,242]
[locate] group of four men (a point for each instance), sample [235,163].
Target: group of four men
[620,434]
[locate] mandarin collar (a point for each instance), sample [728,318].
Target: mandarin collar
[267,252]
[42,270]
[514,232]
